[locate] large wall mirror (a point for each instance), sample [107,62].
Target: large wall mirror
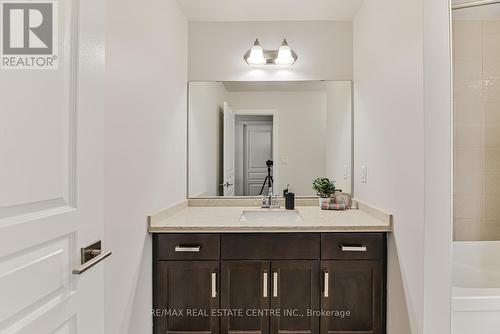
[242,135]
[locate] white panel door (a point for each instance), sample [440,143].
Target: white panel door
[229,152]
[257,150]
[51,178]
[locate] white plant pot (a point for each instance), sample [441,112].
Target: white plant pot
[324,200]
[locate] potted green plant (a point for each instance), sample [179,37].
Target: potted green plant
[324,188]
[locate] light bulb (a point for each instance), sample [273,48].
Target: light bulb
[256,56]
[284,55]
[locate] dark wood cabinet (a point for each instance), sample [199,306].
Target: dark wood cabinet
[288,283]
[245,286]
[352,291]
[186,294]
[271,246]
[295,292]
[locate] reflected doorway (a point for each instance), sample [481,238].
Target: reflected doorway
[254,147]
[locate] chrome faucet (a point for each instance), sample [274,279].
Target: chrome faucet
[270,201]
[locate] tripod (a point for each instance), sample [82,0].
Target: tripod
[269,178]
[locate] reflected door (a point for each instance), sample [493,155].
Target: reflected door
[257,149]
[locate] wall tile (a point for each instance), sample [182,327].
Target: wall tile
[468,207]
[491,27]
[492,113]
[492,183]
[492,207]
[466,229]
[491,229]
[468,182]
[491,68]
[491,45]
[468,38]
[469,88]
[469,159]
[492,159]
[469,112]
[476,130]
[468,68]
[468,137]
[492,137]
[491,90]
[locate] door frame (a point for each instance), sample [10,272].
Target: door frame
[274,114]
[241,151]
[228,137]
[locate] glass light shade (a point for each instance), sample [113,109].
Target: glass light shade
[284,55]
[256,55]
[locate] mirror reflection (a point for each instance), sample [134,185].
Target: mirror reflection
[245,137]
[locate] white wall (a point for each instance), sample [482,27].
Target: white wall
[145,147]
[206,105]
[402,120]
[339,134]
[301,134]
[147,102]
[216,50]
[438,167]
[389,139]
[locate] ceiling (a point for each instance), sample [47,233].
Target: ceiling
[269,10]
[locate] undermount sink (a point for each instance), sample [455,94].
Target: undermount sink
[266,215]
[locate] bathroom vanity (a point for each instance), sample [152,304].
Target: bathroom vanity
[224,262]
[325,274]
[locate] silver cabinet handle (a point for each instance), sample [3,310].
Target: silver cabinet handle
[214,285]
[92,262]
[188,248]
[353,248]
[227,184]
[275,284]
[325,283]
[264,284]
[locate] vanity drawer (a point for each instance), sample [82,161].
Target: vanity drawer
[188,246]
[352,246]
[270,246]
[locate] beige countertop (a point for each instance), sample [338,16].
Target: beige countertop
[223,219]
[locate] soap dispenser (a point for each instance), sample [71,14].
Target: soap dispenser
[286,190]
[289,198]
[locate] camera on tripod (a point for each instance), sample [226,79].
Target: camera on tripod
[269,178]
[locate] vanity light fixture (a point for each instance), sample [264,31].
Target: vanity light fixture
[257,56]
[285,56]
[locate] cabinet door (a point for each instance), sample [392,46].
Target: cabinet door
[295,290]
[352,291]
[245,285]
[187,292]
